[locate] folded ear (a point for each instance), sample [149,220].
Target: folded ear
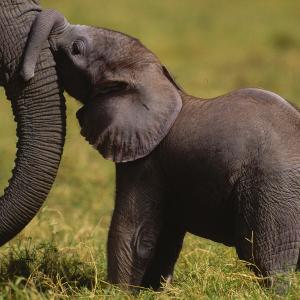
[170,77]
[134,121]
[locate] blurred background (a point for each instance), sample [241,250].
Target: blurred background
[211,47]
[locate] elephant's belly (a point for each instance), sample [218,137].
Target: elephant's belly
[214,220]
[216,228]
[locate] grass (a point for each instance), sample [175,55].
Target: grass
[212,47]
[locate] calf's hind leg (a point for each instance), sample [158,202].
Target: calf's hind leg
[268,226]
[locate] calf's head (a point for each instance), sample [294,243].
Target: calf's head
[130,100]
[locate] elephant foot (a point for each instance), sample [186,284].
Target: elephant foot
[159,285]
[169,280]
[279,284]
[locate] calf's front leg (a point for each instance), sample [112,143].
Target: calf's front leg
[167,251]
[136,221]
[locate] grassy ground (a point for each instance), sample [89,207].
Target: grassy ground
[212,47]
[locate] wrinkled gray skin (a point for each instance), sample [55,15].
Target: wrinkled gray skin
[39,111]
[227,169]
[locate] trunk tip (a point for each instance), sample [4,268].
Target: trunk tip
[26,74]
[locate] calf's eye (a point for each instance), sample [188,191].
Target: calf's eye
[78,47]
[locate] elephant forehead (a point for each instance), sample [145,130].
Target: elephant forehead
[80,32]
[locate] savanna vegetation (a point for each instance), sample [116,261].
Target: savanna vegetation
[212,47]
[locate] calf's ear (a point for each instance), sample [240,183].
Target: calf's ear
[135,120]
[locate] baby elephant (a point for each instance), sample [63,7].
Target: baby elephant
[226,169]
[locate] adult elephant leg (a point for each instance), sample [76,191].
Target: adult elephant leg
[136,221]
[39,111]
[167,251]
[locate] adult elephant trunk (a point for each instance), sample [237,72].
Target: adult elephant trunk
[39,110]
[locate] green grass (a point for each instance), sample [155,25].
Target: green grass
[212,47]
